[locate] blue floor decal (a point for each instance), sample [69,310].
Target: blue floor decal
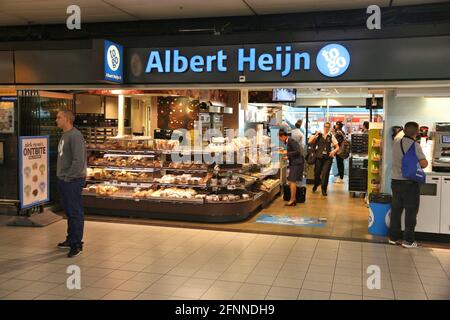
[291,221]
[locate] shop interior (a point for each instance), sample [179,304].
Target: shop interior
[146,154]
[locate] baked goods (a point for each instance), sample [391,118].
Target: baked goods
[107,190]
[268,184]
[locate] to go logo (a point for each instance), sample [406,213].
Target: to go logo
[333,60]
[113,57]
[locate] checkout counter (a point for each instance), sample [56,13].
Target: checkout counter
[434,211]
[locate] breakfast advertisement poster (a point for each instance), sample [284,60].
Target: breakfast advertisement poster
[34,173]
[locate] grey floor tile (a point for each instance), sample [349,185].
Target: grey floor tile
[120,295]
[306,294]
[288,293]
[21,295]
[410,295]
[39,287]
[50,297]
[149,296]
[15,284]
[343,296]
[92,293]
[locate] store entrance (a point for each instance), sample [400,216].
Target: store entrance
[133,173]
[135,167]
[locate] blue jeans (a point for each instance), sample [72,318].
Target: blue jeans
[71,199]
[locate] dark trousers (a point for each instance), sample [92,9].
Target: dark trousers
[322,172]
[71,199]
[405,195]
[340,166]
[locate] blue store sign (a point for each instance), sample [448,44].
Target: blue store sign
[333,60]
[113,62]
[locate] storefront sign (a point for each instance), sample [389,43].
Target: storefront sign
[332,61]
[34,171]
[113,62]
[297,62]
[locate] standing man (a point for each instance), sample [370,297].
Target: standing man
[405,193]
[294,154]
[340,137]
[297,133]
[323,144]
[71,176]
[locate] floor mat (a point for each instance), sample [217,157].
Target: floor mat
[292,220]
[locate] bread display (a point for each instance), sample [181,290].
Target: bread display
[268,184]
[107,190]
[226,197]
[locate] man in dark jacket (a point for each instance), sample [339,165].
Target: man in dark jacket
[294,154]
[326,147]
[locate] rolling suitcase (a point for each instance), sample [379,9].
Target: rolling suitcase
[300,196]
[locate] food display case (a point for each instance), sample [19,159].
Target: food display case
[140,177]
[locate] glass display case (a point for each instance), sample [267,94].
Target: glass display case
[144,177]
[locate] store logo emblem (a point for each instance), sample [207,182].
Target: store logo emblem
[113,61]
[333,60]
[113,57]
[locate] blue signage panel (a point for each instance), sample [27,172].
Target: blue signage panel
[333,60]
[113,62]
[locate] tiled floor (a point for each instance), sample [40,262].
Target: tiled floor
[124,261]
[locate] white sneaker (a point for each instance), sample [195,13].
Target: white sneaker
[410,245]
[394,243]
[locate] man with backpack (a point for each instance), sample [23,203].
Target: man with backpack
[326,147]
[405,190]
[340,137]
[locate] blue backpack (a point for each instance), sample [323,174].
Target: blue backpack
[411,169]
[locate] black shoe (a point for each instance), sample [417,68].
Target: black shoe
[290,204]
[64,245]
[314,189]
[74,252]
[324,193]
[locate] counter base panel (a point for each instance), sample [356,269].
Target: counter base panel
[207,212]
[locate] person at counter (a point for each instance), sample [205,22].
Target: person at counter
[297,133]
[326,147]
[405,193]
[296,159]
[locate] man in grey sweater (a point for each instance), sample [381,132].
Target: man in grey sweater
[71,176]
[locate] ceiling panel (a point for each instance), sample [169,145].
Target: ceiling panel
[288,6]
[170,9]
[18,12]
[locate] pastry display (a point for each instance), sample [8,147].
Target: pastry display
[268,184]
[121,169]
[107,190]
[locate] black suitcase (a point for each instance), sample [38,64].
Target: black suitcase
[300,196]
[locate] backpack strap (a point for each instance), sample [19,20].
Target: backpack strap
[401,145]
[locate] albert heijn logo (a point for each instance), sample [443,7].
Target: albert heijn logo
[113,56]
[333,60]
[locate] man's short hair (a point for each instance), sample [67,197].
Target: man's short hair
[282,133]
[298,124]
[411,128]
[69,115]
[366,124]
